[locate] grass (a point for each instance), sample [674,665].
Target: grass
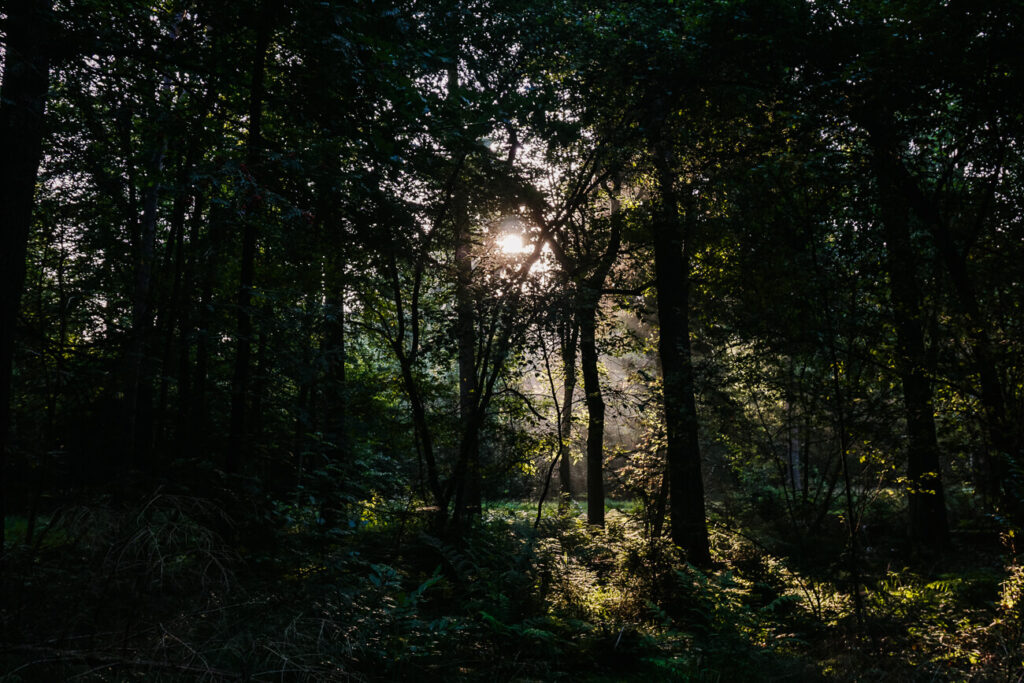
[552,506]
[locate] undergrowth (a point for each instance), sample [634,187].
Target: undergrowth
[172,588]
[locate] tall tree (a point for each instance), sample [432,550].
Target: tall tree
[928,523]
[23,98]
[238,445]
[673,241]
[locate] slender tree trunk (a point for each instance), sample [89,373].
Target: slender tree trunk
[465,330]
[306,384]
[466,333]
[587,319]
[660,503]
[570,338]
[256,431]
[334,379]
[170,313]
[172,317]
[139,385]
[138,436]
[804,432]
[672,281]
[238,445]
[589,301]
[23,96]
[64,308]
[215,243]
[183,428]
[928,523]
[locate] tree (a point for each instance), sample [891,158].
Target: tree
[23,96]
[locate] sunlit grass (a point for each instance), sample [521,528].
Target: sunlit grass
[576,506]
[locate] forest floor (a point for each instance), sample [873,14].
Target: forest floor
[174,588]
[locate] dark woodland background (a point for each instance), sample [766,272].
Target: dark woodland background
[510,340]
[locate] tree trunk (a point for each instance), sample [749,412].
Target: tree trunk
[183,427]
[138,408]
[672,281]
[587,317]
[997,480]
[465,331]
[172,322]
[660,503]
[171,313]
[238,435]
[199,413]
[334,379]
[928,523]
[569,342]
[23,95]
[589,301]
[805,451]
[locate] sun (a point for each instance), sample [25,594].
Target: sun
[512,244]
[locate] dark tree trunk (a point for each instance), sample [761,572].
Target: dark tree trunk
[997,479]
[466,333]
[183,427]
[334,376]
[173,314]
[139,379]
[805,453]
[589,302]
[23,97]
[672,281]
[259,389]
[200,413]
[660,503]
[238,439]
[928,523]
[587,317]
[138,390]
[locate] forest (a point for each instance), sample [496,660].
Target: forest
[506,340]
